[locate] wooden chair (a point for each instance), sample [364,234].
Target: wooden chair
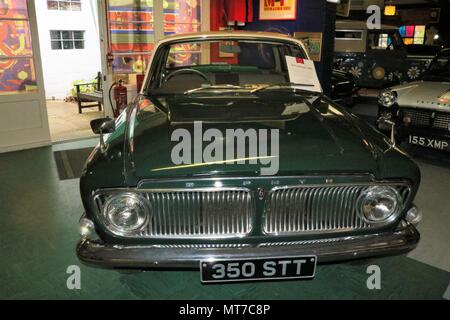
[90,99]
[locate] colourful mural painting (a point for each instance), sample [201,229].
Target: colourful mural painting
[132,34]
[17,72]
[182,16]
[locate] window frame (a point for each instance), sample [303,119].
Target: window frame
[69,2]
[27,20]
[397,40]
[360,32]
[72,39]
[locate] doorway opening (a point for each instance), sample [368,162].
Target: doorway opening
[71,61]
[87,47]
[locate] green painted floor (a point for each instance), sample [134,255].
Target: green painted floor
[38,233]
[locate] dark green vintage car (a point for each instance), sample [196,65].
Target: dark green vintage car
[303,181]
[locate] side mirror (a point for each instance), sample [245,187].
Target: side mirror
[103,125]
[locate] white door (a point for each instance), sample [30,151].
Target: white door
[23,113]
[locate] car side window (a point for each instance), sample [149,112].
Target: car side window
[377,41]
[383,41]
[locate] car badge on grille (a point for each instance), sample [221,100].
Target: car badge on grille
[261,193]
[433,115]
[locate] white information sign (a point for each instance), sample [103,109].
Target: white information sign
[303,73]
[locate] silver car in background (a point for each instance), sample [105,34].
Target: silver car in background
[419,112]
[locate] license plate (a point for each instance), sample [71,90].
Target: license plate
[429,142]
[258,269]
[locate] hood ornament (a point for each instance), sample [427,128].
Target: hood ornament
[261,193]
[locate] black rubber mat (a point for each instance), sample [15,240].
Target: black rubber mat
[70,163]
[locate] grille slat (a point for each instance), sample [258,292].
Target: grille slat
[316,209]
[204,213]
[428,118]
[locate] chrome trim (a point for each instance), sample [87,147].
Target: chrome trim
[119,230]
[394,214]
[319,209]
[96,253]
[207,213]
[368,176]
[201,246]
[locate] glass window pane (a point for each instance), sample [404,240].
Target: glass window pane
[185,55]
[182,11]
[67,35]
[419,40]
[52,5]
[130,64]
[76,6]
[348,35]
[409,31]
[132,34]
[175,28]
[55,35]
[17,72]
[408,41]
[64,5]
[13,9]
[419,32]
[16,38]
[78,35]
[79,44]
[67,44]
[132,37]
[56,45]
[131,29]
[16,76]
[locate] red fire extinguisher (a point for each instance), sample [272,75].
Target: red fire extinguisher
[120,97]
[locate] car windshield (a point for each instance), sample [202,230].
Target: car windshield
[230,65]
[439,69]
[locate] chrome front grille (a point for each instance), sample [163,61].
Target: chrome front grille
[442,121]
[428,118]
[206,213]
[419,118]
[315,209]
[222,213]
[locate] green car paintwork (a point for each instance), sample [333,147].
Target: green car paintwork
[314,144]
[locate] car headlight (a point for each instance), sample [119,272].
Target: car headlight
[380,204]
[125,213]
[387,98]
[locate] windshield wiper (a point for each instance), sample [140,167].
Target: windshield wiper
[282,85]
[218,87]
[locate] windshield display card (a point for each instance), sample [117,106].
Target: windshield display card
[303,72]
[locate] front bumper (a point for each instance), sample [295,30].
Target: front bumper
[96,253]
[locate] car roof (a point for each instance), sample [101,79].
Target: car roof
[231,33]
